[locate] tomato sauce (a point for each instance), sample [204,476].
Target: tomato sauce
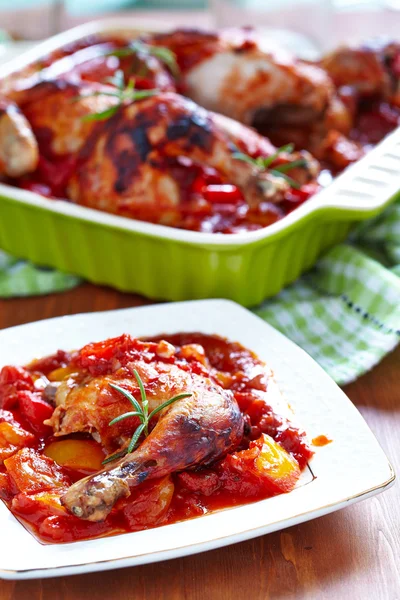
[36,467]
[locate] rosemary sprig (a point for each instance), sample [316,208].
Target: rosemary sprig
[165,55]
[140,411]
[265,162]
[121,92]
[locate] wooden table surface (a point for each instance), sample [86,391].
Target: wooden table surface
[354,553]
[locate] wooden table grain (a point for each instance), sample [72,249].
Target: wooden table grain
[354,553]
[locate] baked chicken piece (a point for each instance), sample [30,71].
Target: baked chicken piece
[56,111]
[370,69]
[263,85]
[19,153]
[52,112]
[367,79]
[196,429]
[124,164]
[238,74]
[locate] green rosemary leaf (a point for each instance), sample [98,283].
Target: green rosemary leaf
[122,52]
[141,386]
[167,57]
[268,160]
[145,402]
[135,438]
[103,115]
[301,162]
[244,158]
[288,148]
[131,85]
[265,162]
[125,416]
[127,395]
[261,162]
[140,94]
[141,412]
[114,457]
[290,181]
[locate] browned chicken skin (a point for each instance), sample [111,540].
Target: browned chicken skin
[371,69]
[51,110]
[19,153]
[287,99]
[251,80]
[57,109]
[124,165]
[192,431]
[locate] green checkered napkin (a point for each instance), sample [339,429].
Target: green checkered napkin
[20,278]
[345,312]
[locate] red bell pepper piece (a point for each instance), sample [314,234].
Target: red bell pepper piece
[199,184]
[6,492]
[222,194]
[56,174]
[31,472]
[143,83]
[35,411]
[47,364]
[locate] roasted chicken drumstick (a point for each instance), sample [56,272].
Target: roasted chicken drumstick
[192,431]
[125,164]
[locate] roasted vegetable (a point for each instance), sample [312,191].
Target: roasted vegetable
[81,455]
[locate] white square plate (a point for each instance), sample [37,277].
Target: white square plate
[351,468]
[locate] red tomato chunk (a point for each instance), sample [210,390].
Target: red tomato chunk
[35,411]
[12,381]
[32,472]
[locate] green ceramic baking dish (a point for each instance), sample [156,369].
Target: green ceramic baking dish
[165,263]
